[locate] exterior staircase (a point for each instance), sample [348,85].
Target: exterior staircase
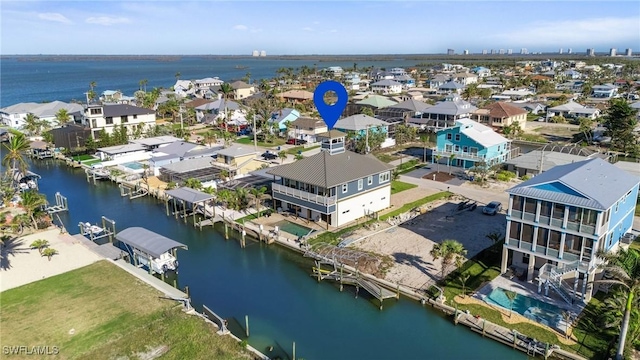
[553,276]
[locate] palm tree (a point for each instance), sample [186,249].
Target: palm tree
[32,124]
[227,90]
[209,137]
[32,201]
[62,116]
[299,156]
[241,197]
[437,158]
[177,75]
[451,158]
[91,94]
[450,252]
[15,147]
[39,244]
[425,141]
[49,252]
[211,191]
[143,84]
[11,246]
[463,278]
[224,174]
[258,195]
[282,155]
[193,183]
[511,295]
[625,268]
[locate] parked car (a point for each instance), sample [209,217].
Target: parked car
[269,156]
[296,141]
[492,208]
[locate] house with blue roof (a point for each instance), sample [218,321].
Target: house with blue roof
[280,118]
[559,220]
[468,143]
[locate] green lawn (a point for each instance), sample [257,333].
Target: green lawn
[386,157]
[82,157]
[482,268]
[398,186]
[294,150]
[249,141]
[102,312]
[91,162]
[415,204]
[408,166]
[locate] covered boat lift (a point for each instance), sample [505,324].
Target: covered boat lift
[192,198]
[147,246]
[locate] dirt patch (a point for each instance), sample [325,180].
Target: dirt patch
[440,176]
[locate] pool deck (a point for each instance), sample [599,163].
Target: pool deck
[529,290]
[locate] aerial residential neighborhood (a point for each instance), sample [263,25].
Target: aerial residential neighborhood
[500,193]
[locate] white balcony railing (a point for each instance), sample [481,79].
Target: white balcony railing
[303,195]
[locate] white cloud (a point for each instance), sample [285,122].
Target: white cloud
[255,30]
[106,20]
[307,29]
[54,17]
[240,27]
[576,32]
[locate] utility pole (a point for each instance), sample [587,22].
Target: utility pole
[181,122]
[366,150]
[255,138]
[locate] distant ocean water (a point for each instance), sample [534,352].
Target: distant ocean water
[66,79]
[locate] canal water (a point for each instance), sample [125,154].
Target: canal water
[273,287]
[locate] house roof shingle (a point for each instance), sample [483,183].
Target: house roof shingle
[326,170]
[504,110]
[359,122]
[124,109]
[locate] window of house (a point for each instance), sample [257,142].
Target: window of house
[543,235]
[572,244]
[517,203]
[617,205]
[94,123]
[345,187]
[124,119]
[530,206]
[135,116]
[96,111]
[514,231]
[465,149]
[554,240]
[589,217]
[473,150]
[558,211]
[109,120]
[457,137]
[384,177]
[527,233]
[370,180]
[449,136]
[545,209]
[457,148]
[360,184]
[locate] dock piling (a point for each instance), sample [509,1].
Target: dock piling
[246,324]
[294,351]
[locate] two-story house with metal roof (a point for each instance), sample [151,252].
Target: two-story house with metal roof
[559,220]
[334,186]
[445,113]
[469,143]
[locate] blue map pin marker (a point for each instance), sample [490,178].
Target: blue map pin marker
[330,113]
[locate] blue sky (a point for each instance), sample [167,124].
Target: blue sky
[314,27]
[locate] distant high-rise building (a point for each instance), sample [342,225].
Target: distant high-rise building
[493,51]
[569,51]
[613,51]
[560,51]
[451,52]
[524,51]
[501,51]
[509,51]
[466,52]
[591,52]
[263,53]
[484,52]
[628,52]
[255,53]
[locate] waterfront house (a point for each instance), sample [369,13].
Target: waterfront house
[70,136]
[334,186]
[386,87]
[177,151]
[559,220]
[500,114]
[444,113]
[108,117]
[605,91]
[307,129]
[237,160]
[572,110]
[279,119]
[184,88]
[14,116]
[152,143]
[470,142]
[122,153]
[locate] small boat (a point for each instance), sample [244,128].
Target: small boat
[88,229]
[240,67]
[161,264]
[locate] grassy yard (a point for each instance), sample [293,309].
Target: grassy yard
[102,312]
[333,238]
[386,157]
[249,141]
[294,150]
[415,204]
[398,186]
[82,157]
[91,162]
[408,166]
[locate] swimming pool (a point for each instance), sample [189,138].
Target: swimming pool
[134,165]
[530,308]
[293,228]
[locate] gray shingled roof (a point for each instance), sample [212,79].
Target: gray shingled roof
[326,170]
[122,110]
[600,183]
[413,105]
[234,151]
[358,122]
[190,165]
[148,241]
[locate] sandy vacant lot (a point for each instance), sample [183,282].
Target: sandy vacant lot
[22,265]
[410,243]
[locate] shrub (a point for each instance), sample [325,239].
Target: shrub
[504,175]
[525,177]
